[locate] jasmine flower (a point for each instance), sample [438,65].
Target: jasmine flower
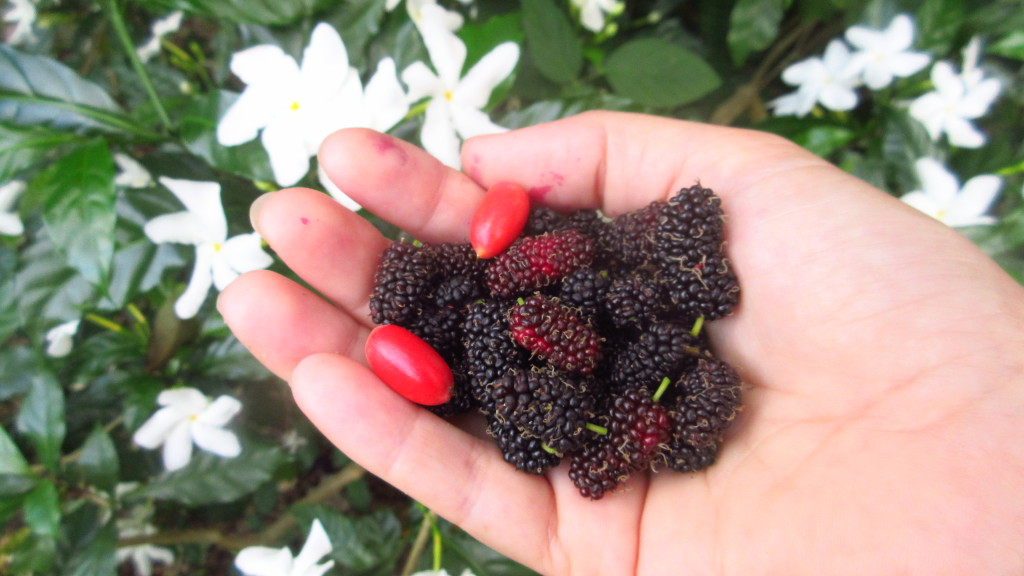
[60,339]
[132,174]
[188,417]
[942,198]
[219,259]
[594,12]
[455,102]
[264,561]
[884,54]
[162,27]
[10,221]
[22,14]
[830,80]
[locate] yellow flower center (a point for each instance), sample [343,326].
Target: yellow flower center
[448,95]
[193,417]
[217,246]
[295,105]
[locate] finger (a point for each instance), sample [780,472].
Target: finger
[281,322]
[401,183]
[461,477]
[333,249]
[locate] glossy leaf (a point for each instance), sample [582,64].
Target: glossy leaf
[753,26]
[46,291]
[365,545]
[36,90]
[659,73]
[939,24]
[98,460]
[41,419]
[269,12]
[42,509]
[552,41]
[78,197]
[22,147]
[209,479]
[11,460]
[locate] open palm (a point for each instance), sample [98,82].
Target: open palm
[883,353]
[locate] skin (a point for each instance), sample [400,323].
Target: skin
[883,355]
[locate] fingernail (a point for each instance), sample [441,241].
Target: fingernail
[254,211]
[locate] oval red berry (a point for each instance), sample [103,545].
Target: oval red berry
[410,366]
[499,219]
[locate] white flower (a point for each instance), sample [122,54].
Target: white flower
[956,100]
[219,259]
[22,14]
[60,339]
[296,107]
[942,198]
[442,572]
[132,174]
[884,54]
[415,9]
[264,561]
[142,556]
[162,27]
[830,80]
[188,416]
[456,102]
[592,12]
[10,222]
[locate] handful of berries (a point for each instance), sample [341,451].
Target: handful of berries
[582,340]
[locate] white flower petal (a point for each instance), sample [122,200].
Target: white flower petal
[963,134]
[797,73]
[470,122]
[157,428]
[385,98]
[592,17]
[946,81]
[177,450]
[215,440]
[264,561]
[199,285]
[447,51]
[324,62]
[977,101]
[476,86]
[936,181]
[836,97]
[317,546]
[243,253]
[908,63]
[133,174]
[187,400]
[220,411]
[266,65]
[421,80]
[61,339]
[249,113]
[900,34]
[178,228]
[438,135]
[922,202]
[202,199]
[11,224]
[10,192]
[289,158]
[974,200]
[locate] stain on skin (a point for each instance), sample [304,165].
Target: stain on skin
[304,220]
[539,192]
[387,146]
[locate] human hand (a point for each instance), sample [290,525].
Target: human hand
[884,355]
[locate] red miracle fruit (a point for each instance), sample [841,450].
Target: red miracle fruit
[499,219]
[409,366]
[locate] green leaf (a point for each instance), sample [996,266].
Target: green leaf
[209,479]
[269,12]
[42,509]
[939,23]
[78,197]
[98,460]
[753,26]
[39,91]
[11,460]
[89,543]
[658,73]
[198,123]
[46,291]
[22,147]
[552,41]
[41,419]
[361,545]
[1010,46]
[358,22]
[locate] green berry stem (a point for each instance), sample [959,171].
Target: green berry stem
[547,448]
[697,326]
[665,382]
[693,350]
[597,429]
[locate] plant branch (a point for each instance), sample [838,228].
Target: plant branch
[122,34]
[273,533]
[418,545]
